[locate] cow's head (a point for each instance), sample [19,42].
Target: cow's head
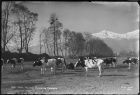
[7,61]
[35,63]
[80,63]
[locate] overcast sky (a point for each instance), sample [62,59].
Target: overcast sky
[89,17]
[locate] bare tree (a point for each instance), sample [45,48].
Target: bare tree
[55,26]
[47,38]
[7,33]
[18,11]
[66,34]
[29,27]
[25,21]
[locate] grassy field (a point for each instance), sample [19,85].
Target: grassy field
[117,80]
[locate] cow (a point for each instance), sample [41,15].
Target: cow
[130,61]
[53,63]
[15,61]
[2,63]
[40,62]
[70,66]
[20,61]
[134,60]
[12,62]
[110,61]
[89,63]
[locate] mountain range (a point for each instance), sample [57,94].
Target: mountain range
[111,35]
[120,42]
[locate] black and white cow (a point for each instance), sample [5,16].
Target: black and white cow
[15,61]
[130,61]
[52,63]
[40,62]
[90,63]
[135,60]
[12,61]
[111,61]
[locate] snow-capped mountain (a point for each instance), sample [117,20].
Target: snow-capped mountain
[108,34]
[119,42]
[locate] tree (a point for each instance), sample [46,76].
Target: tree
[55,26]
[58,41]
[72,43]
[25,21]
[29,27]
[7,33]
[66,34]
[47,39]
[18,11]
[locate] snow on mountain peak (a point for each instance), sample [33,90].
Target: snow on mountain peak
[133,34]
[108,34]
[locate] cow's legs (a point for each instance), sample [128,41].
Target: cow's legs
[13,65]
[41,70]
[63,68]
[45,69]
[100,70]
[129,66]
[114,65]
[110,65]
[86,68]
[54,70]
[22,67]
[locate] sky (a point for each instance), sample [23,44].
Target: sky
[92,17]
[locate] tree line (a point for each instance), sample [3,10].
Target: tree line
[19,24]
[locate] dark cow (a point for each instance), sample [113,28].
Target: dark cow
[70,66]
[15,62]
[53,63]
[89,63]
[110,61]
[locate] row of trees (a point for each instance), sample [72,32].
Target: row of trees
[18,25]
[70,43]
